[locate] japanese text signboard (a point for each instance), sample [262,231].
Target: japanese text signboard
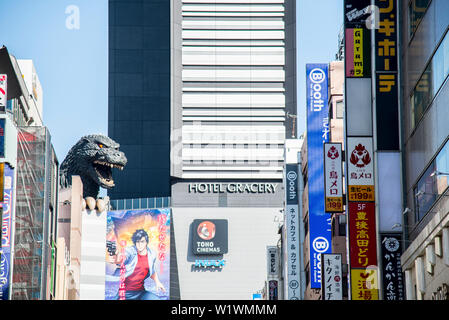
[363,251]
[273,261]
[332,283]
[292,232]
[7,207]
[362,234]
[364,284]
[392,278]
[386,53]
[360,175]
[317,135]
[333,177]
[386,36]
[358,53]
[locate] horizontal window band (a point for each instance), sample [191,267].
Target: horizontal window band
[233,67]
[228,123]
[224,19]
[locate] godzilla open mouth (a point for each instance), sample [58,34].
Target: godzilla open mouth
[104,172]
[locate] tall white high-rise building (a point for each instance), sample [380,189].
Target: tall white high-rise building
[233,104]
[233,88]
[230,81]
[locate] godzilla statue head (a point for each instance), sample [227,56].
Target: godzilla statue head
[92,158]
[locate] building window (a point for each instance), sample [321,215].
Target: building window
[417,10]
[430,82]
[342,225]
[432,184]
[340,109]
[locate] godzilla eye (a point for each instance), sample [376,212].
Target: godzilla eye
[100,145]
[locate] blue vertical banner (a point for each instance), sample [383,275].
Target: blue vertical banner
[2,138]
[5,256]
[317,134]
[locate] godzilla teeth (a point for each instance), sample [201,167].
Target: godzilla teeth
[110,165]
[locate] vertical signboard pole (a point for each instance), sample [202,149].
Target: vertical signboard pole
[386,133]
[292,233]
[7,207]
[360,158]
[333,177]
[317,134]
[332,286]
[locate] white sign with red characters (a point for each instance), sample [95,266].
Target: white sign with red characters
[332,280]
[333,178]
[360,169]
[3,96]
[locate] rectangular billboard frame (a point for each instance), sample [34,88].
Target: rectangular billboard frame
[317,82]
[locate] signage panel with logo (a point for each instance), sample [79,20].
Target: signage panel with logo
[360,169]
[332,282]
[392,277]
[210,236]
[333,177]
[320,231]
[3,91]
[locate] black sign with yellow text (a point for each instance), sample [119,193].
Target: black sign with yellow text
[386,59]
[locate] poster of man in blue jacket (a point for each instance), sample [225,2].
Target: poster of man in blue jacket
[137,251]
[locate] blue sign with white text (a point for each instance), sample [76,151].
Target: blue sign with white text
[317,135]
[7,206]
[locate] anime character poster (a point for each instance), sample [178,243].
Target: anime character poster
[138,255]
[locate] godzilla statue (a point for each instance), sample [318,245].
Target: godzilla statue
[92,158]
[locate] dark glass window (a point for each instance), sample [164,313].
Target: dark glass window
[342,226]
[144,203]
[442,170]
[417,10]
[432,184]
[425,192]
[421,95]
[430,82]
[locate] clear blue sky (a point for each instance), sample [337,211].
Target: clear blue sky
[318,24]
[72,64]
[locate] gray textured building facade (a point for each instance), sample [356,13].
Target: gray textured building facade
[425,135]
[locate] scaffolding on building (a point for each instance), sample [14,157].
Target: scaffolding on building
[30,245]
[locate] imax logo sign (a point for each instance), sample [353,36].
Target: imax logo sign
[210,263]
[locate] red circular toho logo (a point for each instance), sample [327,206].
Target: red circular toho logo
[206,230]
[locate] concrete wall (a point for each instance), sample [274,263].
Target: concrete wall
[93,255]
[250,231]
